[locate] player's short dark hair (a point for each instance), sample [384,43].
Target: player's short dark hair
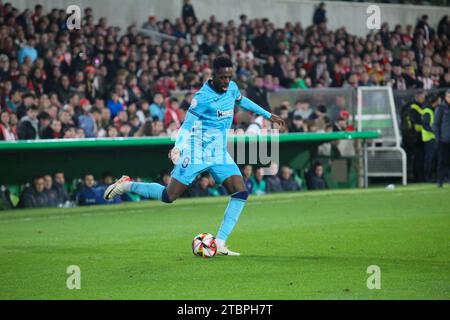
[222,62]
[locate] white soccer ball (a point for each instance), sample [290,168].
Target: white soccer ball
[204,245]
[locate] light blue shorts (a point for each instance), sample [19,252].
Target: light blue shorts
[185,171]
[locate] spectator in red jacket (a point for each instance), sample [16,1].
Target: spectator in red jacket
[173,113]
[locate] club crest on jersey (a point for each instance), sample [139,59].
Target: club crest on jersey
[221,114]
[185,162]
[193,103]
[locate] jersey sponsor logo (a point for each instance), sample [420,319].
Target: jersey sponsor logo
[227,113]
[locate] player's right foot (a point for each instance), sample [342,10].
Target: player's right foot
[223,250]
[117,188]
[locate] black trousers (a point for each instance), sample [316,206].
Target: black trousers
[443,162]
[418,161]
[429,161]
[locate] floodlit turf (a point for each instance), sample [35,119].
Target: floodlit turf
[294,246]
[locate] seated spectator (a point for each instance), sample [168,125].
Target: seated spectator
[259,184]
[51,192]
[58,185]
[143,112]
[88,121]
[287,181]
[106,180]
[303,109]
[114,105]
[165,178]
[258,93]
[247,173]
[157,108]
[320,117]
[28,128]
[297,124]
[7,132]
[53,131]
[186,103]
[200,187]
[258,126]
[273,182]
[173,113]
[315,179]
[90,194]
[34,196]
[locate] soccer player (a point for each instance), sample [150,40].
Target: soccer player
[201,146]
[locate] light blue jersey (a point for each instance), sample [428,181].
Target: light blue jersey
[202,138]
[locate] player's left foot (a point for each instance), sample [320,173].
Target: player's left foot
[116,188]
[223,250]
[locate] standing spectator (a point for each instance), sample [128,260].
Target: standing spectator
[315,180]
[428,136]
[7,132]
[157,108]
[188,12]
[287,181]
[273,183]
[247,175]
[34,196]
[28,128]
[411,124]
[441,129]
[320,14]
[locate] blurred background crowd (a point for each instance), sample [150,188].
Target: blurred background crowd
[101,82]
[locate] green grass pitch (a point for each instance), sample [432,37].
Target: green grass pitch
[294,246]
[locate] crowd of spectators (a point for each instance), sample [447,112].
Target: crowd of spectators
[101,82]
[52,190]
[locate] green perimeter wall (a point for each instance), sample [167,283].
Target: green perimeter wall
[147,157]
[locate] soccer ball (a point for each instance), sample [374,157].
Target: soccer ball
[204,245]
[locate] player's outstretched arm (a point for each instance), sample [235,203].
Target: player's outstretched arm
[249,105]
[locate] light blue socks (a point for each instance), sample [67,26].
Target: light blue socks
[148,190]
[232,213]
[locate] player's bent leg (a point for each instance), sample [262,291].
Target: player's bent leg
[236,186]
[173,191]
